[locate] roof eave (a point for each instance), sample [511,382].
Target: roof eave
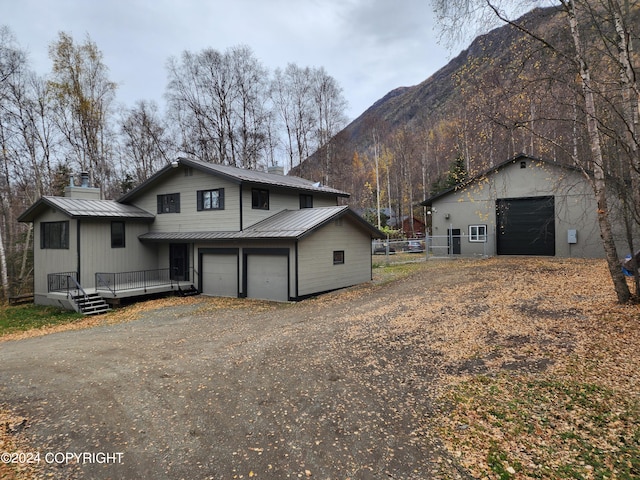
[375,233]
[31,213]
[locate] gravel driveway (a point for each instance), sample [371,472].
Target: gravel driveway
[234,389]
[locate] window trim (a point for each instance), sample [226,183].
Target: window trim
[46,233]
[338,257]
[257,198]
[478,236]
[115,244]
[200,199]
[161,203]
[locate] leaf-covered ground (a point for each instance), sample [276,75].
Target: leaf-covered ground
[497,368]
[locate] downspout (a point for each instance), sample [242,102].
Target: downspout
[297,272]
[78,250]
[371,260]
[241,209]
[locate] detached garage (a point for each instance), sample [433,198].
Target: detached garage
[524,206]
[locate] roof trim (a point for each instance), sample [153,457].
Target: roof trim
[234,174]
[262,230]
[134,213]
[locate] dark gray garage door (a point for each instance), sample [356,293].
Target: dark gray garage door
[526,226]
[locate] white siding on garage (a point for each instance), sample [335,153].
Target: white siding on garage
[317,272]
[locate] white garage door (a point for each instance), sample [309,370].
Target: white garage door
[267,277]
[220,275]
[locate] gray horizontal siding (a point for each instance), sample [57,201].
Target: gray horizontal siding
[190,219]
[317,273]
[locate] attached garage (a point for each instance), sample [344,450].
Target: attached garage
[287,257]
[526,226]
[267,274]
[219,272]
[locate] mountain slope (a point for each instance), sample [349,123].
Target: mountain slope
[455,112]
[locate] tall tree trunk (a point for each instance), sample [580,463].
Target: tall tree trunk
[25,254]
[4,276]
[599,181]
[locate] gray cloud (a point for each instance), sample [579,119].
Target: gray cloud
[369,46]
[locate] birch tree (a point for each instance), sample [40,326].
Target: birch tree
[145,141]
[606,47]
[83,97]
[219,101]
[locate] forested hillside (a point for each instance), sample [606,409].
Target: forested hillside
[559,83]
[506,94]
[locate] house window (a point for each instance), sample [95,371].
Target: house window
[117,234]
[54,234]
[306,201]
[169,203]
[211,199]
[259,199]
[338,257]
[477,233]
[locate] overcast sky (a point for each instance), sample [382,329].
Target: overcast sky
[369,46]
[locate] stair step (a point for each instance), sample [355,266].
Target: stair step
[91,304]
[189,292]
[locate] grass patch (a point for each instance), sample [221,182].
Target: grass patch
[27,317]
[514,426]
[386,273]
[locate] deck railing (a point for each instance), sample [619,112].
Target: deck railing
[65,282]
[60,282]
[139,279]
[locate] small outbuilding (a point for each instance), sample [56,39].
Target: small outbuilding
[523,206]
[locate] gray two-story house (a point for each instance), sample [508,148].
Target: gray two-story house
[220,230]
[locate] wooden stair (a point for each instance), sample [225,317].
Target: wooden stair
[91,304]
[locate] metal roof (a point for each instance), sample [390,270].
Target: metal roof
[287,224]
[239,175]
[500,166]
[86,208]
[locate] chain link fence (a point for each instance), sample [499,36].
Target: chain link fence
[431,247]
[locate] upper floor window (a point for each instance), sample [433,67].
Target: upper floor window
[259,199]
[117,234]
[338,257]
[54,234]
[306,201]
[211,199]
[169,203]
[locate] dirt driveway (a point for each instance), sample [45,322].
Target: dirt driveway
[346,385]
[231,389]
